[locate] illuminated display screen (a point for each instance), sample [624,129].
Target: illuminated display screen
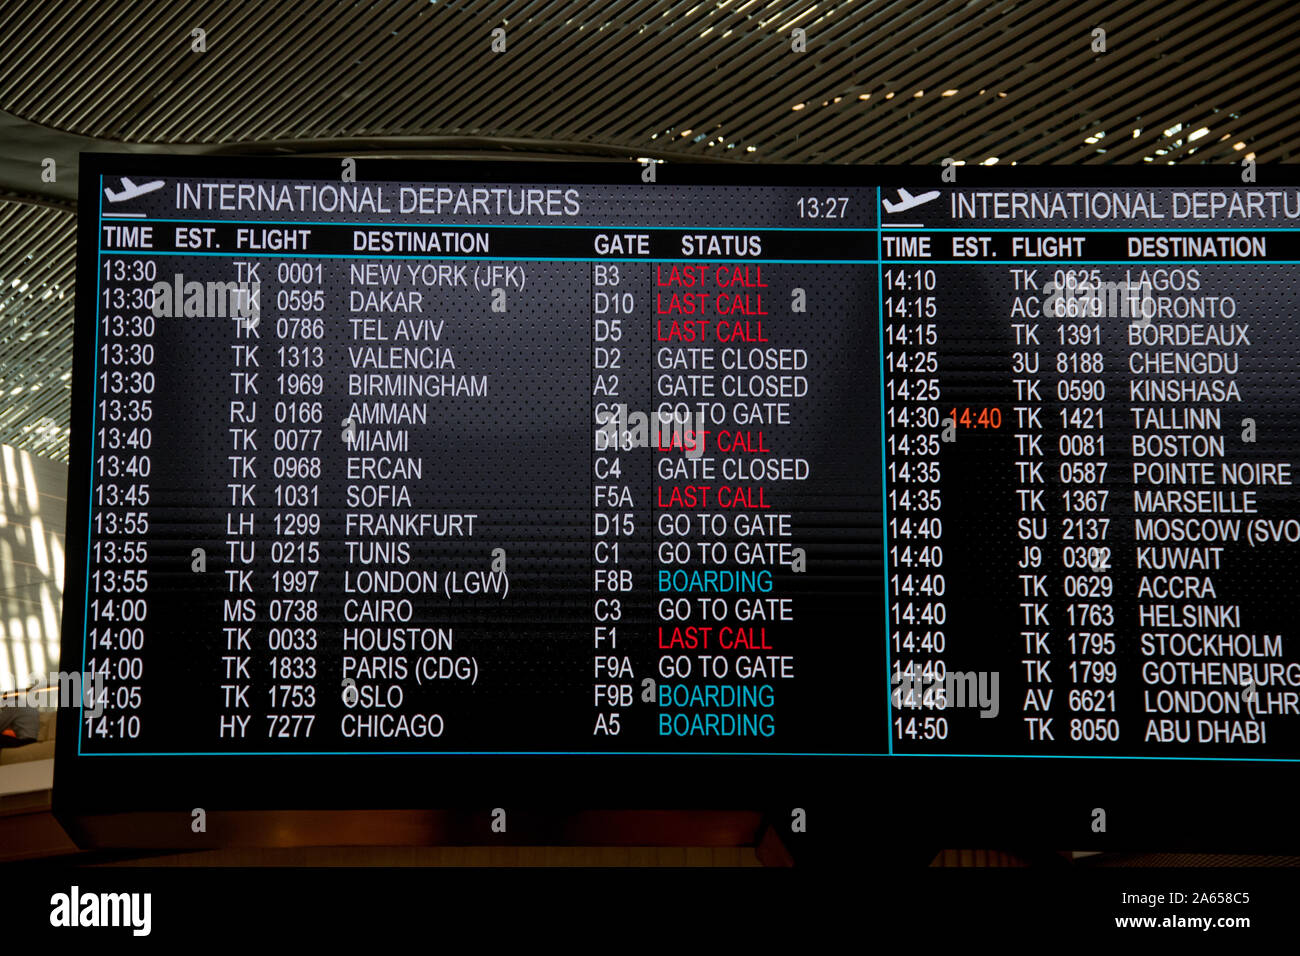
[723,470]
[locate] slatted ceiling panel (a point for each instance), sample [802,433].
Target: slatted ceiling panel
[900,49]
[1041,51]
[633,76]
[36,285]
[667,78]
[7,195]
[1200,90]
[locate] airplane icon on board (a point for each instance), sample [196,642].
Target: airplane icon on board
[130,190]
[908,201]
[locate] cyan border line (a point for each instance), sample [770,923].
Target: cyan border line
[884,484]
[879,262]
[1238,228]
[660,753]
[273,254]
[306,224]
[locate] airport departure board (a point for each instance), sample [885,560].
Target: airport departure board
[639,460]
